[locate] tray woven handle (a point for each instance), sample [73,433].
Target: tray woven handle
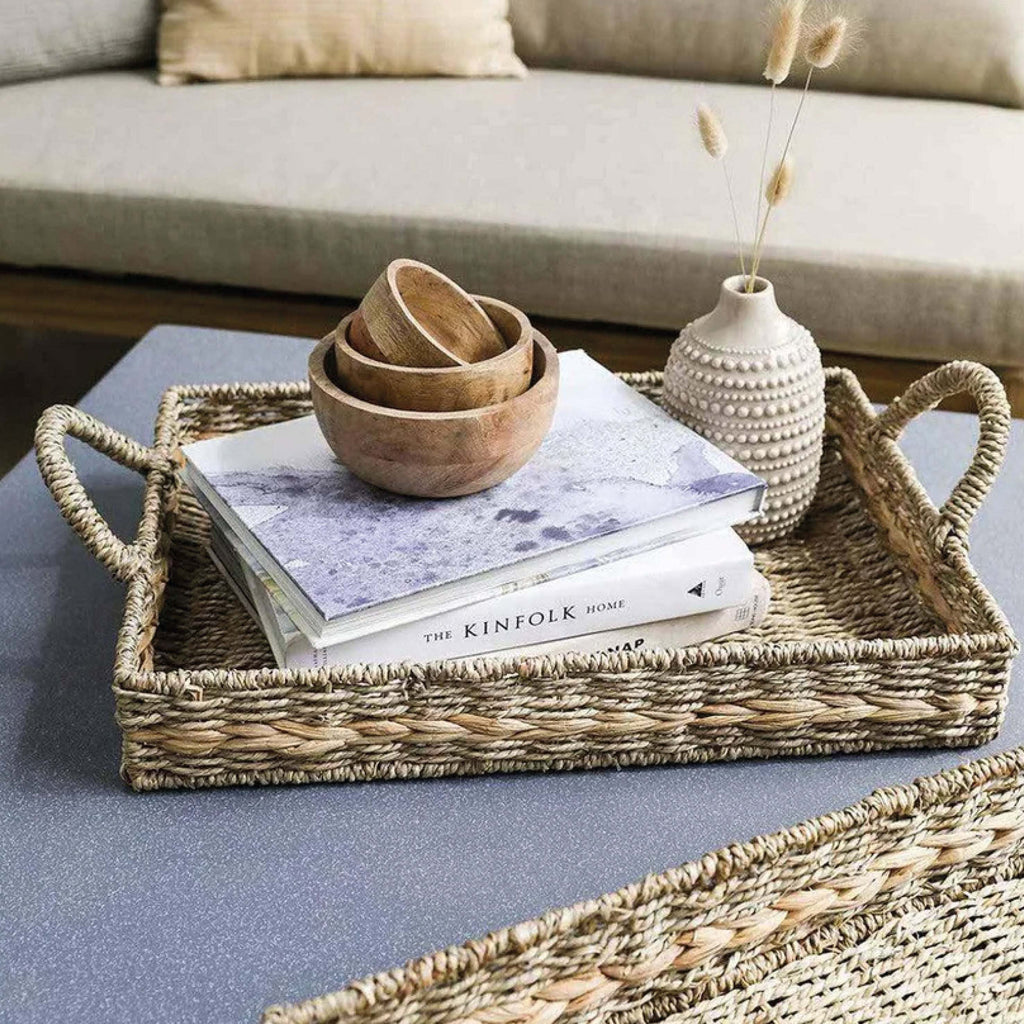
[994,418]
[61,478]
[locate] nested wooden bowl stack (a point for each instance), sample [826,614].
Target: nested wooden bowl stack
[428,391]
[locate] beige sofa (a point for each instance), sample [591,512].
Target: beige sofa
[575,193]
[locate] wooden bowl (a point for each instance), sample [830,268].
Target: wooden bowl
[359,337]
[416,316]
[434,454]
[441,388]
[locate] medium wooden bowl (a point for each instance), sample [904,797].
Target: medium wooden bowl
[441,388]
[434,454]
[416,316]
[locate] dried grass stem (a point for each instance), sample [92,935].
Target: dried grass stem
[822,49]
[764,157]
[778,189]
[716,144]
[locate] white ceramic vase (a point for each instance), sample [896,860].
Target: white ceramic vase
[749,378]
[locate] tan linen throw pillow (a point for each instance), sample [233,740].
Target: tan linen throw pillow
[222,40]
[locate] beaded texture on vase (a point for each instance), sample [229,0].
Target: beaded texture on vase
[762,401]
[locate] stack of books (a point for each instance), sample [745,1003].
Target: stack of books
[615,536]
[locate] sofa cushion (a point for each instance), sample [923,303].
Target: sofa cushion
[226,40]
[576,195]
[57,37]
[961,49]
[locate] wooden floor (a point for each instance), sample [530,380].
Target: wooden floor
[86,323]
[28,383]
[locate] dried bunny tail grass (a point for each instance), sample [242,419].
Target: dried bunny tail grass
[785,40]
[712,134]
[778,189]
[781,182]
[715,141]
[826,43]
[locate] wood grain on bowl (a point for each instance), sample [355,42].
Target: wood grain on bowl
[359,337]
[434,454]
[418,317]
[440,388]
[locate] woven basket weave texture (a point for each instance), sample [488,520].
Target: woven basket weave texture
[879,635]
[907,907]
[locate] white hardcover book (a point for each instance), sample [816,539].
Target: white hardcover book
[682,632]
[670,633]
[615,476]
[690,577]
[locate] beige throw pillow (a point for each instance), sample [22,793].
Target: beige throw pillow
[960,49]
[222,40]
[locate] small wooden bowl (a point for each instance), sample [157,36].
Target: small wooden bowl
[416,316]
[359,338]
[441,388]
[434,454]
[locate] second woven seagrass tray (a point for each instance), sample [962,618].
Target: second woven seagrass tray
[906,908]
[879,635]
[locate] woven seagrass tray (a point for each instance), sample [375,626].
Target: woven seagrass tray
[879,634]
[907,908]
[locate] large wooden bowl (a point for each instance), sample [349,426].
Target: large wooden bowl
[434,454]
[441,388]
[415,316]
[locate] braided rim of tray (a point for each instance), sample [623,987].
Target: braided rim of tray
[307,746]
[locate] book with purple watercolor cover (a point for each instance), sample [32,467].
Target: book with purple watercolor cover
[615,475]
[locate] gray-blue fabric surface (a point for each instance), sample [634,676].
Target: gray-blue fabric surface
[195,907]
